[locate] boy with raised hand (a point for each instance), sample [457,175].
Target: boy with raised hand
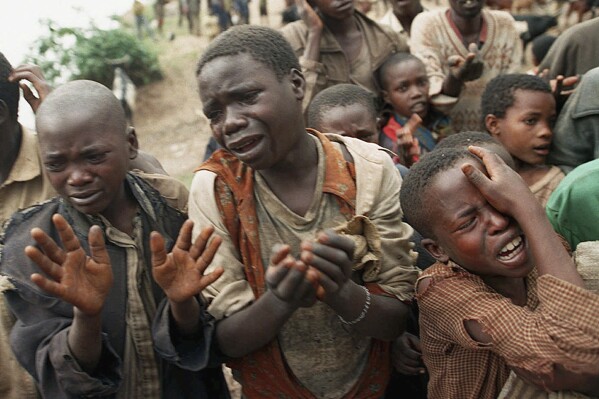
[304,310]
[463,47]
[504,293]
[85,300]
[519,111]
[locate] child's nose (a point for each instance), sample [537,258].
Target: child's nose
[233,120]
[79,177]
[416,92]
[546,130]
[496,222]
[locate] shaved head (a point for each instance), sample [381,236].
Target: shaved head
[85,101]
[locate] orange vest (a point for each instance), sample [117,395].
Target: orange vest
[264,372]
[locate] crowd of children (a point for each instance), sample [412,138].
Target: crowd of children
[344,237]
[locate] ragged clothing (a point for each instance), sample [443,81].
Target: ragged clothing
[435,38]
[333,66]
[230,196]
[548,330]
[135,319]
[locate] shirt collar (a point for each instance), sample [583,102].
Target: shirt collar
[482,37]
[27,166]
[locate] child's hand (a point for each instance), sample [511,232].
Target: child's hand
[81,280]
[405,134]
[407,355]
[469,68]
[309,16]
[34,75]
[180,274]
[331,254]
[503,188]
[291,280]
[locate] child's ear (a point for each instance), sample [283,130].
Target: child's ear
[435,250]
[492,125]
[4,112]
[132,142]
[298,82]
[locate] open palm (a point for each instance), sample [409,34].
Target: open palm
[70,274]
[181,272]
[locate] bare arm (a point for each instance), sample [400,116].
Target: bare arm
[290,284]
[315,27]
[181,273]
[370,315]
[34,75]
[507,192]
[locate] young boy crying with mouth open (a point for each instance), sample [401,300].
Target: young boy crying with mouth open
[504,294]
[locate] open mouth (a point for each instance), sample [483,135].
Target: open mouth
[511,249]
[343,6]
[470,4]
[83,199]
[245,145]
[542,149]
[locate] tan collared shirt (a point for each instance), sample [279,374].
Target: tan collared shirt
[26,184]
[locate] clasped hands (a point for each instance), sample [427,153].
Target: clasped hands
[321,271]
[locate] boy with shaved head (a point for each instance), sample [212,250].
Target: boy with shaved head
[88,271]
[504,293]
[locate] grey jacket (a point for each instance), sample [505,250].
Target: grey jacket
[39,337]
[576,133]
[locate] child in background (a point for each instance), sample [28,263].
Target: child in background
[519,111]
[345,109]
[405,87]
[348,110]
[504,293]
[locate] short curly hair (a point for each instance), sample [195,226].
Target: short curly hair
[393,59]
[340,95]
[415,185]
[481,139]
[499,93]
[264,44]
[9,91]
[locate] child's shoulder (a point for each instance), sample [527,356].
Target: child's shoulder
[172,190]
[446,277]
[356,147]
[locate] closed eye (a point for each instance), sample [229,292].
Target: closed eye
[250,97]
[213,116]
[54,165]
[97,158]
[469,223]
